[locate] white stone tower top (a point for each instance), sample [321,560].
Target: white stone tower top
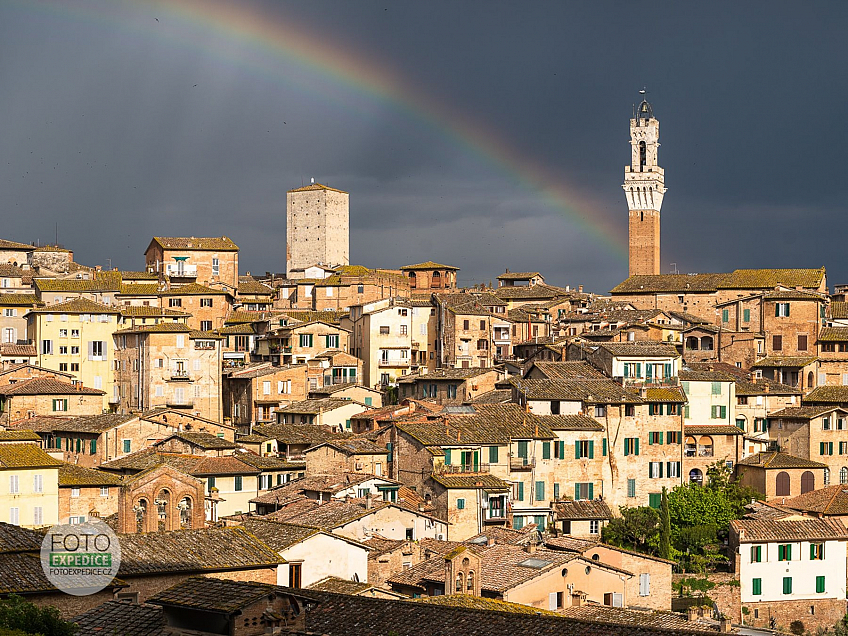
[644,180]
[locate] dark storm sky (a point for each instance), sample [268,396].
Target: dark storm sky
[105,133]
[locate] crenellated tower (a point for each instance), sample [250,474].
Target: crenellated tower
[644,187]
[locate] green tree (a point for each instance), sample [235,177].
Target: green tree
[18,614]
[665,527]
[636,529]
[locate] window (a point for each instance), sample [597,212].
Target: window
[14,486]
[60,404]
[644,584]
[631,446]
[825,448]
[600,410]
[584,449]
[756,554]
[546,450]
[74,366]
[540,491]
[466,325]
[782,484]
[632,369]
[787,585]
[216,271]
[802,342]
[655,470]
[38,516]
[655,438]
[594,526]
[205,302]
[718,412]
[63,333]
[825,423]
[175,302]
[266,387]
[584,490]
[816,551]
[672,437]
[38,483]
[781,310]
[746,315]
[493,454]
[104,491]
[715,389]
[460,504]
[14,517]
[238,483]
[75,491]
[127,445]
[206,325]
[756,587]
[46,347]
[672,469]
[631,487]
[294,574]
[777,342]
[210,483]
[306,338]
[819,585]
[784,552]
[725,315]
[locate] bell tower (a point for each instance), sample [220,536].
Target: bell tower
[644,187]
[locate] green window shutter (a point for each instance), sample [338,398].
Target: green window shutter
[667,371]
[591,449]
[776,310]
[460,504]
[686,412]
[746,315]
[576,492]
[716,388]
[556,492]
[476,461]
[520,491]
[576,450]
[368,401]
[789,552]
[661,469]
[787,585]
[638,370]
[725,315]
[493,454]
[661,437]
[819,584]
[591,490]
[781,552]
[631,487]
[604,446]
[757,586]
[787,309]
[724,412]
[650,439]
[546,450]
[654,499]
[238,481]
[523,449]
[518,523]
[812,552]
[66,404]
[93,449]
[636,439]
[540,491]
[830,448]
[562,450]
[626,446]
[447,457]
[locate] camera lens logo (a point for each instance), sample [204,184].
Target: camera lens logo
[81,559]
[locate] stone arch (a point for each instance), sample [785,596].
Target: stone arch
[707,343]
[469,582]
[808,481]
[164,504]
[843,475]
[692,343]
[810,379]
[782,484]
[412,280]
[141,510]
[696,476]
[459,583]
[186,510]
[436,280]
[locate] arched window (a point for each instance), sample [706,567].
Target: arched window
[843,475]
[469,583]
[412,280]
[643,156]
[696,476]
[707,343]
[810,380]
[827,476]
[705,446]
[459,583]
[140,510]
[436,280]
[808,481]
[690,447]
[163,509]
[185,512]
[782,484]
[692,343]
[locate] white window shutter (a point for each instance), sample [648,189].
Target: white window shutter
[552,598]
[197,364]
[90,350]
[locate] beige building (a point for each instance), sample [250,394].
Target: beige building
[86,494]
[29,486]
[317,228]
[47,396]
[13,324]
[169,365]
[75,336]
[204,260]
[382,338]
[253,394]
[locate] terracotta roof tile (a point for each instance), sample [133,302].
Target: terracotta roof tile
[215,243]
[9,349]
[47,386]
[802,412]
[584,509]
[568,370]
[788,529]
[600,391]
[73,475]
[17,539]
[427,265]
[783,361]
[123,617]
[75,306]
[830,500]
[25,456]
[105,284]
[839,310]
[472,480]
[712,429]
[827,395]
[774,460]
[19,300]
[316,187]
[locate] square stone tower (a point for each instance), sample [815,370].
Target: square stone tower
[644,187]
[317,227]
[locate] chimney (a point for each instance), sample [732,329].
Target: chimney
[530,548]
[724,626]
[577,599]
[368,500]
[692,614]
[580,289]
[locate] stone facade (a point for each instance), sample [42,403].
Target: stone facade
[317,227]
[87,501]
[206,260]
[53,259]
[253,394]
[814,614]
[159,500]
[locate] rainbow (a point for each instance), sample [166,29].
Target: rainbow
[258,39]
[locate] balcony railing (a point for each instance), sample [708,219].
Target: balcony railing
[186,271]
[184,403]
[521,463]
[453,469]
[498,514]
[180,376]
[700,451]
[648,382]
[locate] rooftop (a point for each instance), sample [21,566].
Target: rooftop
[215,243]
[788,529]
[774,460]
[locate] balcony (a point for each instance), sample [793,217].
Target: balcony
[497,515]
[181,270]
[393,364]
[179,404]
[648,382]
[456,469]
[180,376]
[521,463]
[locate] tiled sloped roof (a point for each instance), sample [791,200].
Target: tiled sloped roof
[7,270]
[518,275]
[830,500]
[354,270]
[802,412]
[253,287]
[584,509]
[763,386]
[498,396]
[788,529]
[13,245]
[793,294]
[321,405]
[619,617]
[827,395]
[266,463]
[124,618]
[215,243]
[427,265]
[17,539]
[668,394]
[486,604]
[22,573]
[712,429]
[204,550]
[192,289]
[571,423]
[86,423]
[206,441]
[738,279]
[298,433]
[834,334]
[25,456]
[447,374]
[568,370]
[640,348]
[705,375]
[498,424]
[476,480]
[130,275]
[47,386]
[18,300]
[783,361]
[775,460]
[600,391]
[838,310]
[227,465]
[76,306]
[162,327]
[73,475]
[19,435]
[536,291]
[766,510]
[144,311]
[278,535]
[78,285]
[213,595]
[261,369]
[340,586]
[329,317]
[771,278]
[9,349]
[354,446]
[315,187]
